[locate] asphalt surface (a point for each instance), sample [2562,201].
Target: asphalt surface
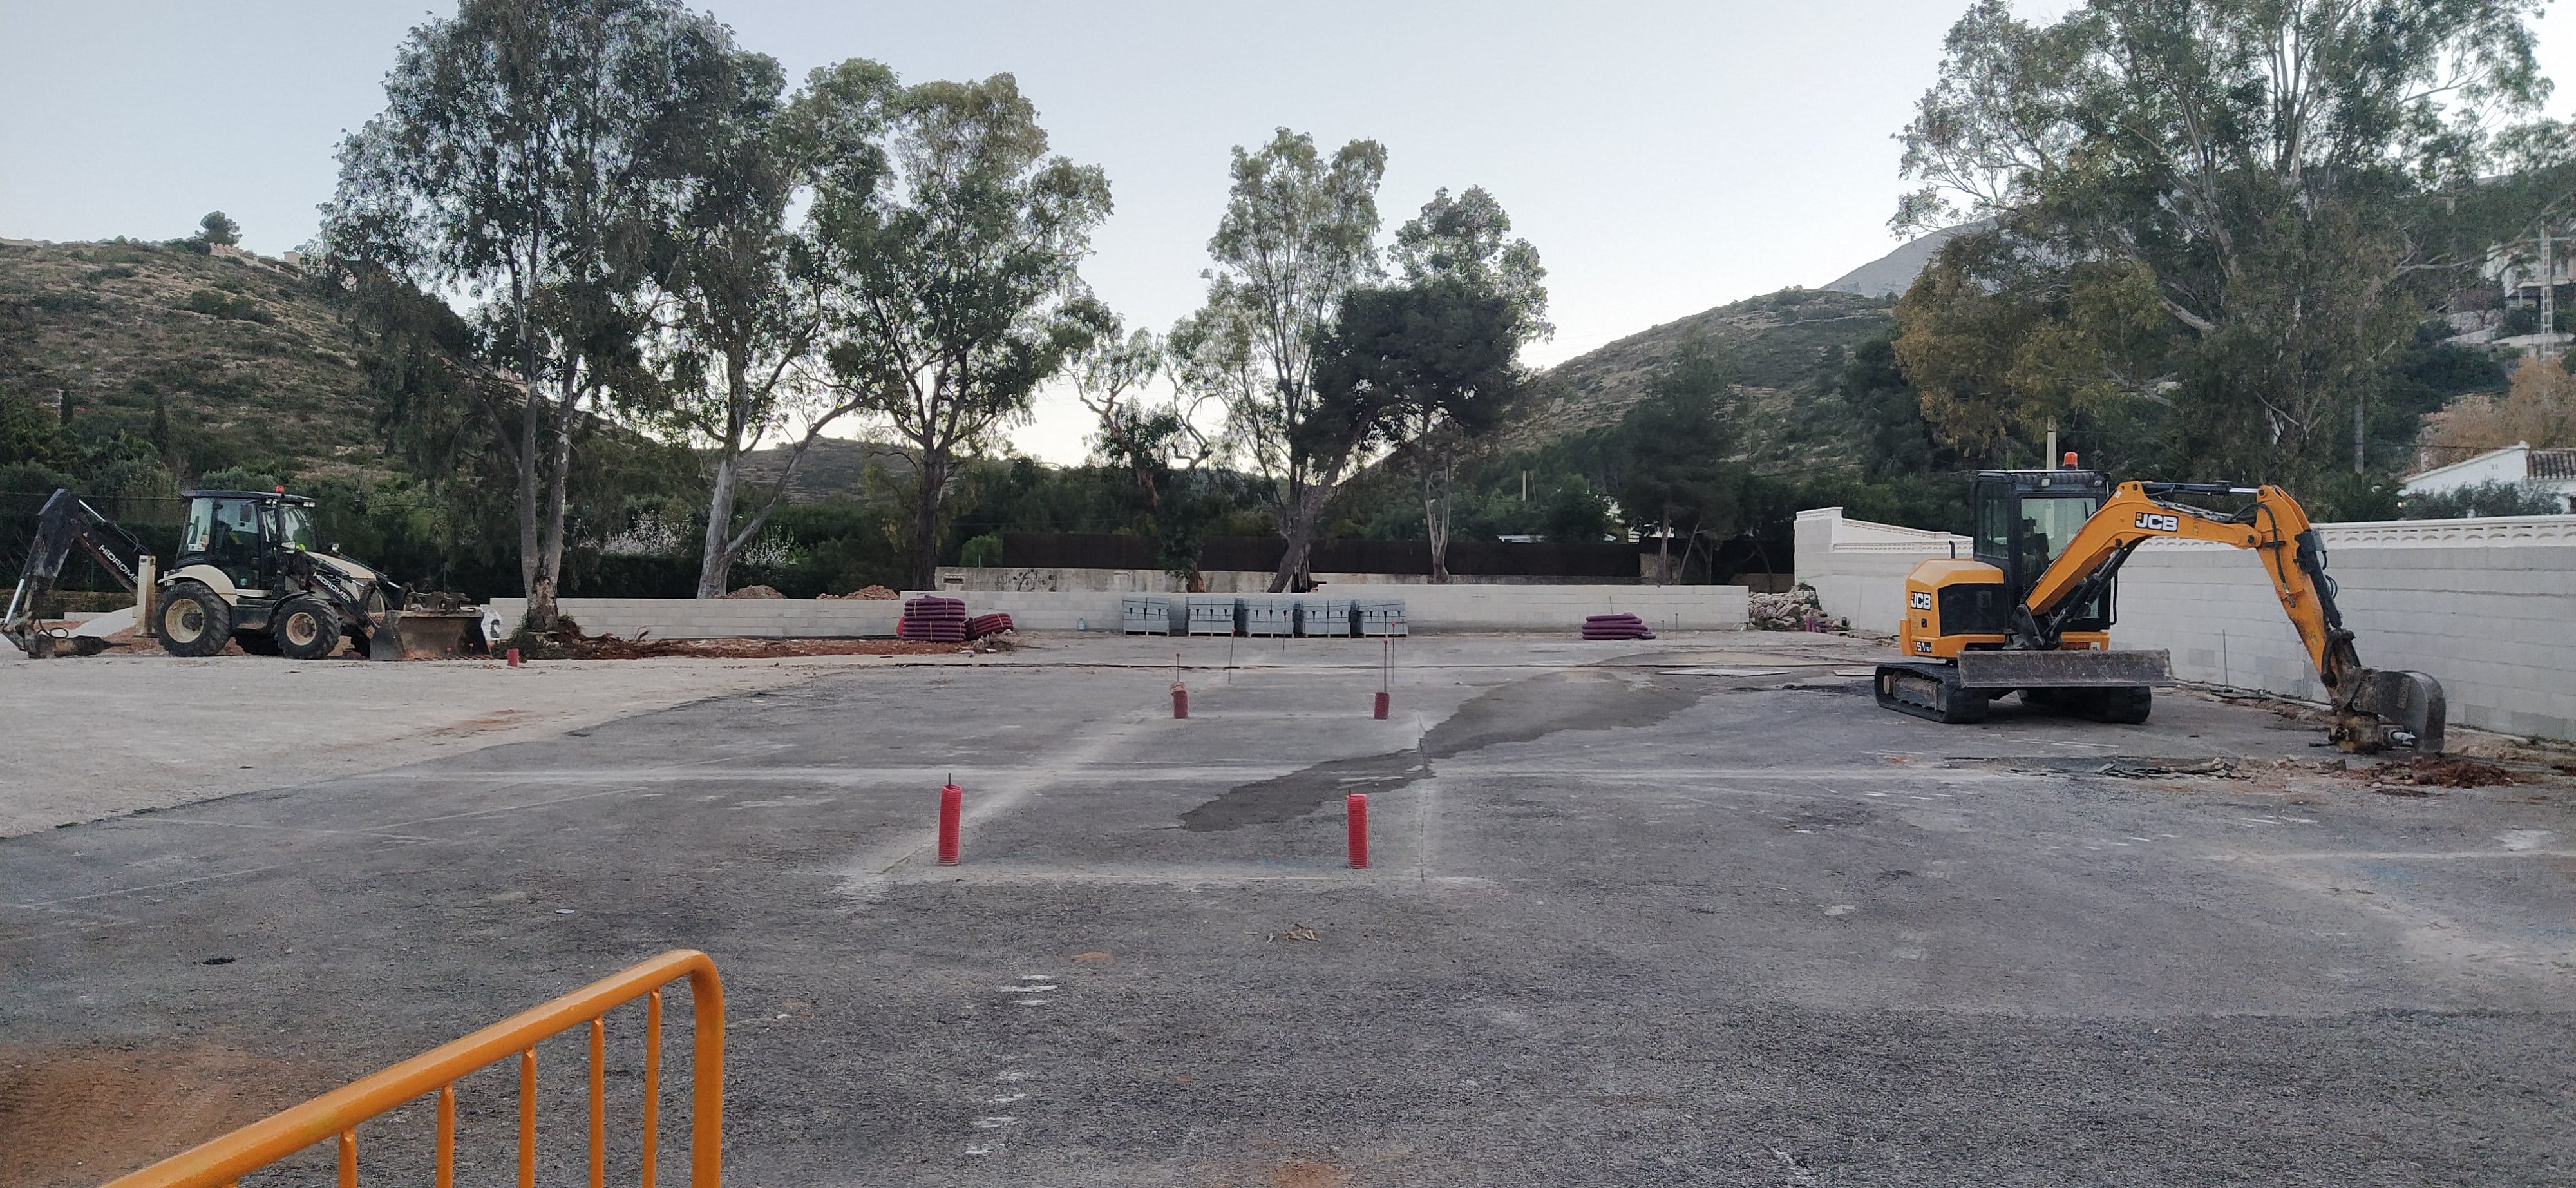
[1689,912]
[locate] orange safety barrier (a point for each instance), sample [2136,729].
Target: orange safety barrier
[336,1115]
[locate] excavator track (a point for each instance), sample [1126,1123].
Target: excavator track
[1931,692]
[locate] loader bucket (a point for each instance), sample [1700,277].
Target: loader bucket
[429,635]
[2391,709]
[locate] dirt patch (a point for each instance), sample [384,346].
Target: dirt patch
[2439,771]
[79,1116]
[567,642]
[604,647]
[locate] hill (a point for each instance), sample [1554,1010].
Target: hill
[1789,348]
[1890,275]
[832,467]
[218,360]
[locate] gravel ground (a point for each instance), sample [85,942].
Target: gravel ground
[1686,912]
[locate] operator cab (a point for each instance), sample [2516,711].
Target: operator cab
[2024,521]
[243,533]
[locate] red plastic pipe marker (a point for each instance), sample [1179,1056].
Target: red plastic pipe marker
[1180,702]
[952,800]
[514,657]
[1356,806]
[1381,706]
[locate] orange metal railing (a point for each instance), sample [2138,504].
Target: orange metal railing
[336,1115]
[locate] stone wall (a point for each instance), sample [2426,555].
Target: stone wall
[2487,606]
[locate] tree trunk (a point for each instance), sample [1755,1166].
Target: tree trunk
[930,475]
[541,598]
[715,560]
[530,553]
[1305,506]
[1435,516]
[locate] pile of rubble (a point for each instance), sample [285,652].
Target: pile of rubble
[1797,610]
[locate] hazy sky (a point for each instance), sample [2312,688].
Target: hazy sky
[1664,157]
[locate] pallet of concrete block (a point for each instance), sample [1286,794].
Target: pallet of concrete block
[1320,618]
[1149,614]
[1269,615]
[1215,614]
[1378,616]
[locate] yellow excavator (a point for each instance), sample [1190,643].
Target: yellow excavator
[2031,609]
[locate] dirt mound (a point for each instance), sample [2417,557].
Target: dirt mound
[74,1117]
[756,592]
[866,593]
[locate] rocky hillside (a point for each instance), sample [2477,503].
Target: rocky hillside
[1789,348]
[221,360]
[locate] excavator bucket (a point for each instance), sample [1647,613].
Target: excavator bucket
[2391,709]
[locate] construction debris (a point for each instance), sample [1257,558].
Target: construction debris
[2150,769]
[868,593]
[1797,610]
[2439,771]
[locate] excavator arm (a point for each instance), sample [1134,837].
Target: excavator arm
[65,523]
[2373,709]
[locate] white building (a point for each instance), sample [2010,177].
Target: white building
[2550,470]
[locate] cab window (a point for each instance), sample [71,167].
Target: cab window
[2047,527]
[295,528]
[1994,523]
[226,532]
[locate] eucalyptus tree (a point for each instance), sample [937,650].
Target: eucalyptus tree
[1299,231]
[521,159]
[1155,438]
[741,296]
[956,287]
[2214,223]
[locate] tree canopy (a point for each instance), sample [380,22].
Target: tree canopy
[2212,227]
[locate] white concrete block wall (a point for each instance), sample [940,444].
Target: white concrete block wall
[2487,606]
[1858,568]
[1427,609]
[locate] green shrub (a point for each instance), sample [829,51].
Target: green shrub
[230,308]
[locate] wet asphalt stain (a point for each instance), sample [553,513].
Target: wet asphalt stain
[1286,798]
[1525,711]
[1522,711]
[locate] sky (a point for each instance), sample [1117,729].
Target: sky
[1663,157]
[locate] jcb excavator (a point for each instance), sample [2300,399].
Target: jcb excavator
[2032,609]
[250,570]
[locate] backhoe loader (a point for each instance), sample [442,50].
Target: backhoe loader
[2031,610]
[250,570]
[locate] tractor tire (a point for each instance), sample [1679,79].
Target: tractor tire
[305,628]
[2127,706]
[192,620]
[256,643]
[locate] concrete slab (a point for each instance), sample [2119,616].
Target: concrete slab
[1625,925]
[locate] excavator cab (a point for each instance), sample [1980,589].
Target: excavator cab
[2024,521]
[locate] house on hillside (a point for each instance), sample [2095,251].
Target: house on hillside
[2553,471]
